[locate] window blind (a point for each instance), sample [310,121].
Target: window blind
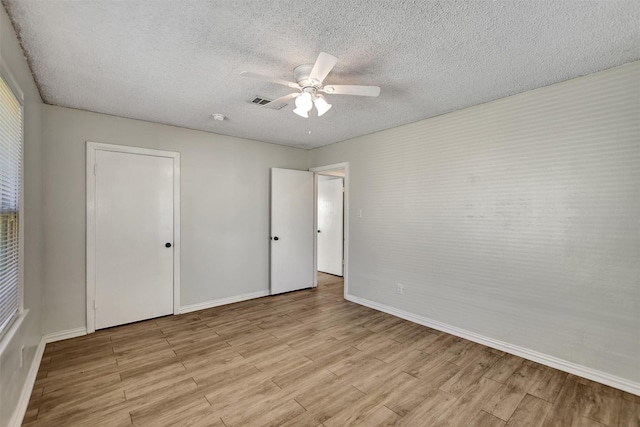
[10,174]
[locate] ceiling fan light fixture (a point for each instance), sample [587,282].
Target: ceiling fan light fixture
[304,102]
[301,113]
[321,105]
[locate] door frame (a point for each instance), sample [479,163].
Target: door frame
[345,208]
[92,147]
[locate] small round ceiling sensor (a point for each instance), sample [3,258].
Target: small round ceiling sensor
[219,117]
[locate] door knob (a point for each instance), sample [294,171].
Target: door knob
[167,245]
[319,231]
[275,238]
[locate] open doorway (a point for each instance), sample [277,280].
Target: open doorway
[330,214]
[331,224]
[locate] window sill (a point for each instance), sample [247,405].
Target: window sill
[11,332]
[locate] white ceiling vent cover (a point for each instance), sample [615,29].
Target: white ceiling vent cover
[261,100]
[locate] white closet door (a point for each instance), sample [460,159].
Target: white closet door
[134,237]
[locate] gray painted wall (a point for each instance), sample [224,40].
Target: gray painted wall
[12,376]
[516,219]
[224,207]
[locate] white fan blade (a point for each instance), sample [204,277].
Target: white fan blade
[282,99]
[269,79]
[324,64]
[352,90]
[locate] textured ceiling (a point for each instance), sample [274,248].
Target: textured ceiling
[177,62]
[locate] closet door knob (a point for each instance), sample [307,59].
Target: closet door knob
[167,245]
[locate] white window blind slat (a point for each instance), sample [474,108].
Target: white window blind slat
[10,176]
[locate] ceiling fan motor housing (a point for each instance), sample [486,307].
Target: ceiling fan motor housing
[301,74]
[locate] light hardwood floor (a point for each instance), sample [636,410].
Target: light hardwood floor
[307,358]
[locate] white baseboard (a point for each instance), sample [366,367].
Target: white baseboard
[544,359]
[23,402]
[27,388]
[222,301]
[63,335]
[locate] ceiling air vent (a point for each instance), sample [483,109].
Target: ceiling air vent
[261,100]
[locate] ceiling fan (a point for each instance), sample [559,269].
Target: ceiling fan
[310,78]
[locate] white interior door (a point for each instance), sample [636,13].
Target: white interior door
[133,237]
[291,230]
[330,224]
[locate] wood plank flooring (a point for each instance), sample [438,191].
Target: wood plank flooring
[307,358]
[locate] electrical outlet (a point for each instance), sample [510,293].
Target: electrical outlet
[21,356]
[399,289]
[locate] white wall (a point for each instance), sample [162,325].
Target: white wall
[12,376]
[516,220]
[224,209]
